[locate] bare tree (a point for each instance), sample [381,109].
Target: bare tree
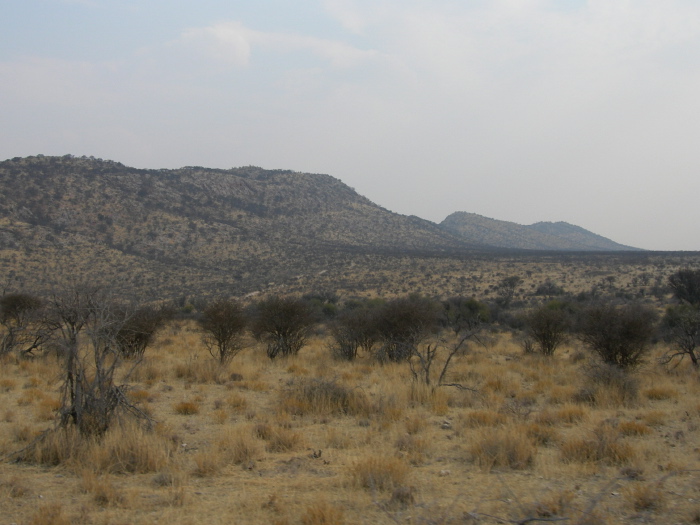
[86,323]
[222,323]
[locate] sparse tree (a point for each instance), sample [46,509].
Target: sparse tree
[621,336]
[284,324]
[686,286]
[137,331]
[681,328]
[354,330]
[22,316]
[223,322]
[547,327]
[506,290]
[402,324]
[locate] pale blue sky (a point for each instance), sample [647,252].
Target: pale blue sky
[521,110]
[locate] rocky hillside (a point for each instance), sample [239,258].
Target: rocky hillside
[244,227]
[556,236]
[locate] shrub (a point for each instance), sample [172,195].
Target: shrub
[621,336]
[402,324]
[548,327]
[222,324]
[284,324]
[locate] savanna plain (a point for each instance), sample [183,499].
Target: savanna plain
[506,435]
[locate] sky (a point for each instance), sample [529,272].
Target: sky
[521,110]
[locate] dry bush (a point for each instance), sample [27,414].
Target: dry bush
[605,446]
[502,447]
[323,513]
[379,473]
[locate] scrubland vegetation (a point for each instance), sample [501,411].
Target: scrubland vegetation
[527,404]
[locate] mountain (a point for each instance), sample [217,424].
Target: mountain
[195,230]
[238,229]
[555,236]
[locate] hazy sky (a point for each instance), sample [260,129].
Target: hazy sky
[521,110]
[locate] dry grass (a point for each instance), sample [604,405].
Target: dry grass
[503,448]
[379,473]
[314,440]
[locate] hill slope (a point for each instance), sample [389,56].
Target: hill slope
[242,227]
[539,236]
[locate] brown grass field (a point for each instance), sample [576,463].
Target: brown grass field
[316,441]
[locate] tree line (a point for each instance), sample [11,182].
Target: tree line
[93,335]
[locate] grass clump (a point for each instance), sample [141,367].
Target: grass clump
[503,447]
[605,446]
[379,473]
[323,397]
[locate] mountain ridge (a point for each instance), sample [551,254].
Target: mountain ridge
[556,236]
[158,231]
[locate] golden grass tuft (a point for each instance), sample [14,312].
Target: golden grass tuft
[660,393]
[605,446]
[508,447]
[186,408]
[379,473]
[634,428]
